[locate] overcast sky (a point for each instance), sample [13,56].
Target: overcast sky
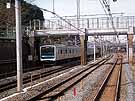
[68,7]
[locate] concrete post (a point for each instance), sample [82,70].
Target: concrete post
[30,25]
[18,45]
[75,41]
[127,49]
[130,44]
[83,57]
[34,24]
[82,49]
[101,46]
[39,24]
[78,20]
[94,50]
[103,49]
[106,49]
[83,39]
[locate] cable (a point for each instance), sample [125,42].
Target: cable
[105,5]
[62,19]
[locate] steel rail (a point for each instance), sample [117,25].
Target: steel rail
[118,82]
[97,65]
[101,89]
[13,84]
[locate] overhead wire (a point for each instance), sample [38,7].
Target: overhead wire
[31,1]
[105,4]
[61,18]
[103,7]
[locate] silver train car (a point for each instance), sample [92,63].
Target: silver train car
[61,52]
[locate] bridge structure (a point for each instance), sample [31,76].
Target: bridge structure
[94,26]
[100,26]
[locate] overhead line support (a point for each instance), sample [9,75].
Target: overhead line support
[18,45]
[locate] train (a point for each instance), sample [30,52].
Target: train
[55,53]
[45,54]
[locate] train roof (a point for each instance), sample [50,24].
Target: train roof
[69,46]
[60,45]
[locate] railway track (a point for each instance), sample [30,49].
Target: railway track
[109,88]
[7,61]
[4,64]
[58,89]
[13,84]
[12,63]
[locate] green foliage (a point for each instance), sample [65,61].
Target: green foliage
[29,12]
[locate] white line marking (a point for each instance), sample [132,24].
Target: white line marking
[25,89]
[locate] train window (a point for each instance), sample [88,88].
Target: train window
[47,50]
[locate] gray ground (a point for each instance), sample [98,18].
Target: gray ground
[130,82]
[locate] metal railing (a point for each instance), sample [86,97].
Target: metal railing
[99,23]
[121,22]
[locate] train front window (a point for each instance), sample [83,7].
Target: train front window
[47,52]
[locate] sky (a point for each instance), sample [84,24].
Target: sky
[87,7]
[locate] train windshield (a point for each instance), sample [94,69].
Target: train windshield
[47,52]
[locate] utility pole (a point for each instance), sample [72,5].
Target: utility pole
[83,49]
[130,44]
[83,37]
[106,48]
[78,19]
[34,24]
[94,49]
[101,46]
[127,50]
[53,6]
[18,45]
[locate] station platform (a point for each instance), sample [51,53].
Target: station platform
[129,84]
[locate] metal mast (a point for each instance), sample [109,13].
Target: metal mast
[18,44]
[53,6]
[78,19]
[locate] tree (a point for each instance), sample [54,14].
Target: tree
[29,12]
